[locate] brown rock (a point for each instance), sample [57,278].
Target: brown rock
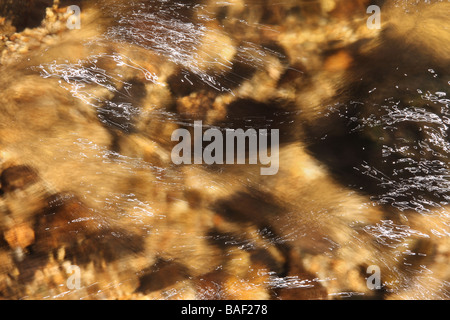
[339,61]
[349,8]
[20,236]
[196,105]
[66,220]
[17,177]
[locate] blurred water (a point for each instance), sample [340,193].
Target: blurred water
[363,162]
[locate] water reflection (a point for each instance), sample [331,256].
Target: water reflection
[87,180]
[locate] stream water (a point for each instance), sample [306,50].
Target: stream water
[92,205]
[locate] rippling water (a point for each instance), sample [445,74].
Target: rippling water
[88,184]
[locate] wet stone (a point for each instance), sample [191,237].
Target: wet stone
[17,177]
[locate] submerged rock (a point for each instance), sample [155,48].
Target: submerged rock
[87,184]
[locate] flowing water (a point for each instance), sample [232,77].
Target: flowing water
[92,205]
